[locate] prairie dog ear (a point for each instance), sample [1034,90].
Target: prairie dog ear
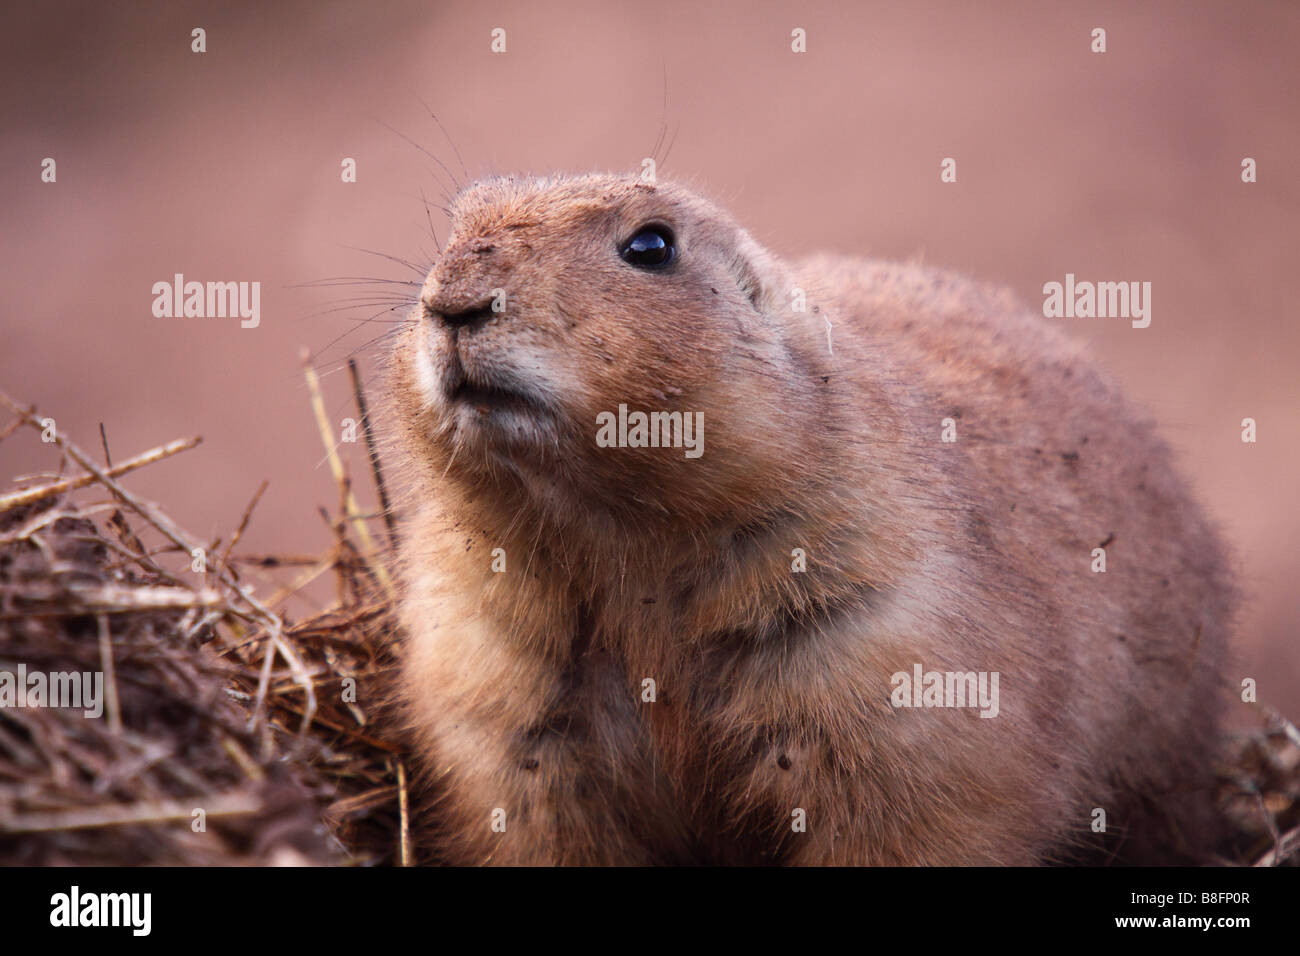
[758,275]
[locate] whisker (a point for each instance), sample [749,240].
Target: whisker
[440,163]
[354,280]
[388,307]
[352,331]
[432,233]
[429,205]
[419,270]
[450,141]
[664,161]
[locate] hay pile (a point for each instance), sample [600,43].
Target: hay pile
[1259,794]
[216,700]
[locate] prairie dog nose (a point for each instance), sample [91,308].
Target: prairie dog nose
[463,291]
[471,317]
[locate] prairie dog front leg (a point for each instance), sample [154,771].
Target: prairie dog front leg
[536,749]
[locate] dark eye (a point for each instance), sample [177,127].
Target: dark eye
[651,248]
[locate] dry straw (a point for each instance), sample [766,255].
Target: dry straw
[226,737]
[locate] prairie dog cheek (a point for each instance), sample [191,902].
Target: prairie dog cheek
[426,379]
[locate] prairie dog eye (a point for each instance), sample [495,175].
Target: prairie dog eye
[652,247]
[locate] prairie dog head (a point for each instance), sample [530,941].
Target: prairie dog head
[561,308]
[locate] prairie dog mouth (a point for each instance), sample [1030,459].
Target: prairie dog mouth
[486,398]
[475,388]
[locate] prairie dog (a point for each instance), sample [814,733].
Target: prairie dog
[619,652]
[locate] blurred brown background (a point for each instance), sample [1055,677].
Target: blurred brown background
[225,166]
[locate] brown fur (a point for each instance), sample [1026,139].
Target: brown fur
[522,690]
